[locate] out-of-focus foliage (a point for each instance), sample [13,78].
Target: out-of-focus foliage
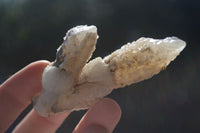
[31,30]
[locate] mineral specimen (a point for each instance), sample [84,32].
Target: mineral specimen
[70,83]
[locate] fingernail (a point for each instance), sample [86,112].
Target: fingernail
[95,129]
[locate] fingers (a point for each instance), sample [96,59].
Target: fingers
[34,123]
[16,92]
[101,118]
[15,95]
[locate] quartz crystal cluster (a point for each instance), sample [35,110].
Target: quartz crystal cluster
[72,83]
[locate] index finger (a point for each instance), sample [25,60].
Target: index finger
[17,91]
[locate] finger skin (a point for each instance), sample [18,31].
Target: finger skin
[17,91]
[105,115]
[34,123]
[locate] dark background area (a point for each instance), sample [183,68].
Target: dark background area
[32,30]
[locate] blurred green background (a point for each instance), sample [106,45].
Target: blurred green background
[32,30]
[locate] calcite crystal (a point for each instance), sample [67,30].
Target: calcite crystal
[70,83]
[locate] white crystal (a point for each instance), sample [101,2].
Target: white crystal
[142,59]
[70,83]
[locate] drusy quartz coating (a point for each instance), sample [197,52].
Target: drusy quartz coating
[72,83]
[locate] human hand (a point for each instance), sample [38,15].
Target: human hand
[16,94]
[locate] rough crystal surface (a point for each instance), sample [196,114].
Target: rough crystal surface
[142,59]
